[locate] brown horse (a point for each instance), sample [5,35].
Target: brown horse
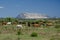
[36,25]
[4,23]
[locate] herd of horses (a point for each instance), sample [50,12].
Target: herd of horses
[29,24]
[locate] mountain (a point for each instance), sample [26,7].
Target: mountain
[27,15]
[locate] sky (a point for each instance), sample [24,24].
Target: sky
[11,8]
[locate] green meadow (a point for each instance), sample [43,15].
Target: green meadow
[34,32]
[9,32]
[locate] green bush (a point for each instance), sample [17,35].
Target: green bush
[19,32]
[34,34]
[57,26]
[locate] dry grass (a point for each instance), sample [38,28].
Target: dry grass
[8,32]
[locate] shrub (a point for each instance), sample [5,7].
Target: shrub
[57,26]
[19,32]
[34,34]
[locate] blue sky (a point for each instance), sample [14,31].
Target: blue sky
[11,8]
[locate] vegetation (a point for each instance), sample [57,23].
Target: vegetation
[18,33]
[34,34]
[55,37]
[8,32]
[57,26]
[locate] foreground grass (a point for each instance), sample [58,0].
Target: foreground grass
[8,32]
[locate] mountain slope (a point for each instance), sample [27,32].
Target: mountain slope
[31,16]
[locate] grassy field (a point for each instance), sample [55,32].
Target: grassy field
[9,32]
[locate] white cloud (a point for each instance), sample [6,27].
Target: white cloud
[1,7]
